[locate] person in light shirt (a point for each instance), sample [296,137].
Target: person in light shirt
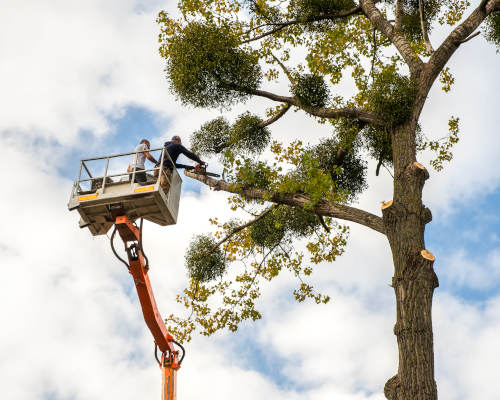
[138,159]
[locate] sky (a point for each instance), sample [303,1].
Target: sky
[81,79]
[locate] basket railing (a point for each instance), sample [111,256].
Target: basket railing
[102,181]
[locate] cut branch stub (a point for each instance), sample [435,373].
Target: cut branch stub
[427,255]
[386,204]
[419,168]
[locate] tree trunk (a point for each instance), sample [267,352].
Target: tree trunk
[414,279]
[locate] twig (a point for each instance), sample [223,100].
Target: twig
[470,37]
[241,227]
[323,223]
[425,36]
[284,24]
[284,68]
[276,117]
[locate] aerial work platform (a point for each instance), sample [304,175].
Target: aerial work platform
[105,189]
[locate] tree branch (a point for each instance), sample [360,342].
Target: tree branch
[284,68]
[470,37]
[284,24]
[398,21]
[425,35]
[441,56]
[276,117]
[324,208]
[322,112]
[241,227]
[396,37]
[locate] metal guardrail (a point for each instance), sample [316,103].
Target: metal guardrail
[131,174]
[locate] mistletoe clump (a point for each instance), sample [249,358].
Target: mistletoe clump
[207,69]
[492,29]
[297,221]
[212,137]
[267,232]
[282,225]
[313,8]
[248,135]
[252,173]
[344,165]
[378,142]
[311,90]
[204,261]
[392,96]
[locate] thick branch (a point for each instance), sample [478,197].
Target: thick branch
[399,16]
[276,117]
[396,37]
[423,27]
[323,208]
[441,56]
[281,25]
[322,112]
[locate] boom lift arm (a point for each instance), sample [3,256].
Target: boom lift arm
[138,267]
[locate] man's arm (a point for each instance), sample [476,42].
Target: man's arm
[150,157]
[190,155]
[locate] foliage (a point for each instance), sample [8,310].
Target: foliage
[262,259]
[454,11]
[311,90]
[492,29]
[307,9]
[447,79]
[351,178]
[205,64]
[204,262]
[392,95]
[212,137]
[411,17]
[246,135]
[443,146]
[217,54]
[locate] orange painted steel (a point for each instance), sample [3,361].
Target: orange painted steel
[169,362]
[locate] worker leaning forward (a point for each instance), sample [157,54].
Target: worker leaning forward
[173,149]
[137,161]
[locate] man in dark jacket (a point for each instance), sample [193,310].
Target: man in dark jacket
[174,148]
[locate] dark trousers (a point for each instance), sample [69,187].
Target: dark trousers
[140,176]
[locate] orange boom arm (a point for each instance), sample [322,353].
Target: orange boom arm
[169,362]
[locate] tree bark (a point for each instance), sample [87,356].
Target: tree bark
[414,279]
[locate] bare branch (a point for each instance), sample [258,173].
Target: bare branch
[470,37]
[284,68]
[281,25]
[276,117]
[423,27]
[241,227]
[324,208]
[323,223]
[441,56]
[322,112]
[263,35]
[397,38]
[399,16]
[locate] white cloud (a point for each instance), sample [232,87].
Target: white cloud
[464,270]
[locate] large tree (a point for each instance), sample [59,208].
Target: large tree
[221,52]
